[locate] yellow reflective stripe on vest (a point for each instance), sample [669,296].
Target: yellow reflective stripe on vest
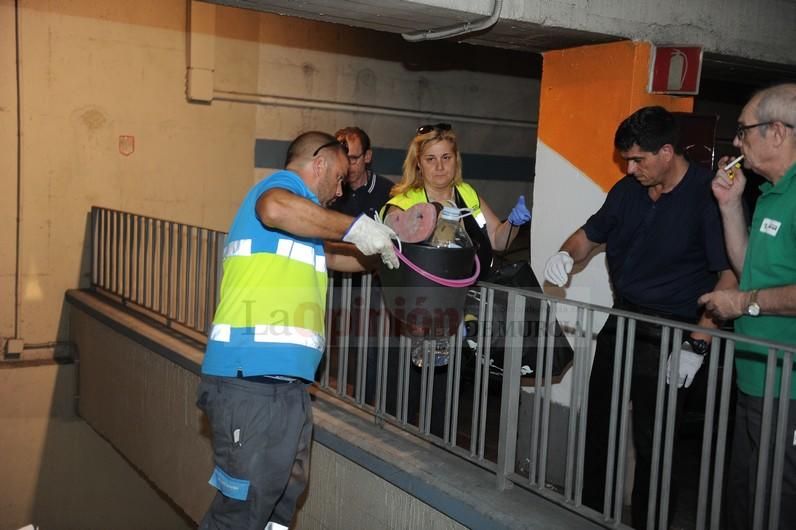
[270,289]
[418,195]
[408,199]
[470,198]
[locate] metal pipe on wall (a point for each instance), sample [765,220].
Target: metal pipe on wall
[457,30]
[14,349]
[320,104]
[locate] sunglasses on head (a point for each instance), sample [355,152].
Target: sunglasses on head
[334,143]
[424,129]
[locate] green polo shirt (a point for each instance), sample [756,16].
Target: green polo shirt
[770,262]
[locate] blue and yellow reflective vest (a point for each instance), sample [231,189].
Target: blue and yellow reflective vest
[414,196]
[270,318]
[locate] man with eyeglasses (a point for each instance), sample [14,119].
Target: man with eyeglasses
[664,249]
[267,337]
[764,304]
[364,191]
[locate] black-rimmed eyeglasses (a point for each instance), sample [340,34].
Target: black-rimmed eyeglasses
[740,130]
[334,143]
[425,129]
[353,159]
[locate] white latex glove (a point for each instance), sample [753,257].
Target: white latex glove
[558,267]
[372,237]
[690,363]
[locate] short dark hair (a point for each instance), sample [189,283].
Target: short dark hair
[306,143]
[364,139]
[650,128]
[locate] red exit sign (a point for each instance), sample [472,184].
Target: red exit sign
[675,70]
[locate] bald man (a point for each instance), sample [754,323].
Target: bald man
[764,304]
[267,337]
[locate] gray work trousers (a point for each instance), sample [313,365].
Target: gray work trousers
[742,476]
[261,449]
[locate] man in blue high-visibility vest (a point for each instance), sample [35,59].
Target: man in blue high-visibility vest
[267,337]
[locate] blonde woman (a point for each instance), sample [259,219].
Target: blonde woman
[432,172]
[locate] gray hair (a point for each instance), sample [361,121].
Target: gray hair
[777,103]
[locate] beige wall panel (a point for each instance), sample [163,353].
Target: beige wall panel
[237,50]
[92,72]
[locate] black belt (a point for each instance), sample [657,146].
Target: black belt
[268,379]
[626,305]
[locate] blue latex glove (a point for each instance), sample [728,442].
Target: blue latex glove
[520,214]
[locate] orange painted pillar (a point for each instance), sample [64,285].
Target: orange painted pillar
[585,93]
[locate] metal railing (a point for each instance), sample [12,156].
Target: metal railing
[169,268]
[503,402]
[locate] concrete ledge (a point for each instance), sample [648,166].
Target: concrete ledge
[457,489]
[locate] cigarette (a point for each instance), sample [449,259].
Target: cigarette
[732,164]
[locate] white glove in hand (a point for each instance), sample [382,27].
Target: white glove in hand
[690,363]
[372,237]
[558,267]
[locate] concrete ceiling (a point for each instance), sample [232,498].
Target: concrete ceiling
[400,16]
[396,16]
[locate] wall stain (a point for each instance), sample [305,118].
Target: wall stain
[365,83]
[309,72]
[93,119]
[423,92]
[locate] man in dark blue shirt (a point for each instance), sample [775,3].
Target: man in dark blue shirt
[363,190]
[665,248]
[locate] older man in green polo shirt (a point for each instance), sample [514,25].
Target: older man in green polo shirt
[764,305]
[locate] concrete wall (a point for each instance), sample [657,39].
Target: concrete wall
[326,76]
[133,394]
[56,471]
[105,121]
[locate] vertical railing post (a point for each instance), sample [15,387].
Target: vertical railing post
[765,441]
[510,395]
[95,212]
[781,440]
[721,434]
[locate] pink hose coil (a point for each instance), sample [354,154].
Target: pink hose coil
[465,282]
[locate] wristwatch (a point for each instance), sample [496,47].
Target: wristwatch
[753,309]
[697,346]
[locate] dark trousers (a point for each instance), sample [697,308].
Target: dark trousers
[644,380]
[742,476]
[261,447]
